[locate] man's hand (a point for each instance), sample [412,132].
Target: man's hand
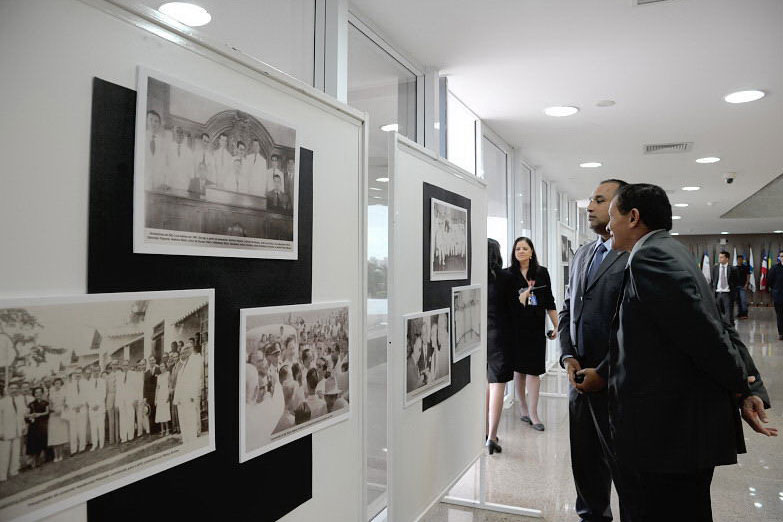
[572,366]
[593,381]
[753,413]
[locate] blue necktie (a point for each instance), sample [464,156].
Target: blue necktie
[597,259]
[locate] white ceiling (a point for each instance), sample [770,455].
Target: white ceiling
[666,65]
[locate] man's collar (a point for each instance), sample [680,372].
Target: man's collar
[607,244]
[640,243]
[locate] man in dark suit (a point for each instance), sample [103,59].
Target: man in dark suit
[594,283]
[725,280]
[775,284]
[678,373]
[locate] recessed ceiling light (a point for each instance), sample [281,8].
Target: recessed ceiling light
[375,188]
[778,232]
[691,188]
[390,127]
[676,217]
[559,112]
[605,103]
[708,159]
[724,233]
[382,180]
[185,13]
[681,205]
[744,96]
[675,234]
[590,165]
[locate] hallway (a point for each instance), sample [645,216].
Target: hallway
[534,470]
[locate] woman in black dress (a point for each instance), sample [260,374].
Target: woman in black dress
[534,288]
[37,432]
[500,370]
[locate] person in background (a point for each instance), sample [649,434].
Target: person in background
[724,284]
[150,387]
[12,427]
[162,398]
[112,370]
[534,288]
[743,284]
[125,398]
[96,407]
[76,409]
[38,419]
[775,284]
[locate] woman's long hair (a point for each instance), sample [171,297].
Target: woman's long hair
[494,261]
[533,266]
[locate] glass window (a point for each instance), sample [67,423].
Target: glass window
[280,33]
[460,134]
[495,173]
[543,250]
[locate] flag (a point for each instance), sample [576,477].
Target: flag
[705,267]
[752,283]
[763,272]
[734,263]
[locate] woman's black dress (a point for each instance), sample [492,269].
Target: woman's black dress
[529,343]
[500,302]
[37,432]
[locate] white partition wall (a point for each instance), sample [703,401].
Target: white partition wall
[49,54]
[428,449]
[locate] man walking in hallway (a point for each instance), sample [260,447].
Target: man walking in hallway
[775,284]
[724,284]
[743,282]
[594,283]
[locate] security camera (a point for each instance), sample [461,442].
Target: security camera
[729,177]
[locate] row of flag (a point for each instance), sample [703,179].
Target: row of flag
[768,257]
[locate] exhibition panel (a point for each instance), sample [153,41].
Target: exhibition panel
[290,231]
[438,218]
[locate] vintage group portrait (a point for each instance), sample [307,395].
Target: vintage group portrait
[428,353]
[294,373]
[211,177]
[448,241]
[100,391]
[466,320]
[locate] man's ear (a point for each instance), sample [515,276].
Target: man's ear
[633,218]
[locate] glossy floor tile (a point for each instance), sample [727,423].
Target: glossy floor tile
[534,469]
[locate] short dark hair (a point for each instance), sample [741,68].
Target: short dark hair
[724,253]
[241,143]
[650,200]
[620,183]
[312,378]
[495,260]
[155,113]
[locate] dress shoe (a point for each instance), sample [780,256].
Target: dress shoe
[538,427]
[493,446]
[525,418]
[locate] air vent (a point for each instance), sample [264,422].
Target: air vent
[643,2]
[668,148]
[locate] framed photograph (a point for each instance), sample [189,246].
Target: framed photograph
[465,320]
[212,177]
[294,373]
[100,391]
[428,353]
[448,241]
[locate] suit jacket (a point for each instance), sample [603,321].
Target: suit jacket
[733,279]
[675,367]
[585,320]
[189,381]
[775,283]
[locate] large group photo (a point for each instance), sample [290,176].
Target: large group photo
[448,241]
[99,391]
[294,372]
[212,178]
[428,353]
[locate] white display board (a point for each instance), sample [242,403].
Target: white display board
[428,450]
[50,52]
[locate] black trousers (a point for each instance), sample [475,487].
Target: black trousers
[673,497]
[725,306]
[779,315]
[589,462]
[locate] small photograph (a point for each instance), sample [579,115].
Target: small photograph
[466,320]
[294,373]
[566,251]
[212,178]
[99,391]
[428,353]
[448,241]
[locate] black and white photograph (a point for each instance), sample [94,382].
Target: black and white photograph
[466,320]
[100,391]
[428,353]
[212,177]
[294,373]
[448,241]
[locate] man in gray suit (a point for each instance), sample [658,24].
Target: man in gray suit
[594,283]
[679,376]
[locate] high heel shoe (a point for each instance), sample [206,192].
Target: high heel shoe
[493,446]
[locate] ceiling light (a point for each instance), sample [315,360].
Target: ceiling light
[744,96]
[375,188]
[675,234]
[691,188]
[185,13]
[390,127]
[676,217]
[590,165]
[382,180]
[724,233]
[605,103]
[708,159]
[559,112]
[778,232]
[681,205]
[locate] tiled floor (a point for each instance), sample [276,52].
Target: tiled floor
[534,470]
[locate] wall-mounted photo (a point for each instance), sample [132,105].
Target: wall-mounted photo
[466,320]
[448,241]
[294,373]
[212,177]
[99,391]
[428,353]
